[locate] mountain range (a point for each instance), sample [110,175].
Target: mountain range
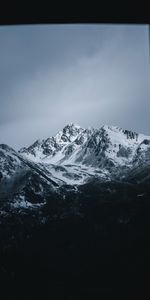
[74,211]
[74,158]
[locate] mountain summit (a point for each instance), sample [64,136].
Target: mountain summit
[108,146]
[72,158]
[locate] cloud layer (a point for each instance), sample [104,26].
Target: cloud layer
[88,74]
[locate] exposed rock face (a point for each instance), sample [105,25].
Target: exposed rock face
[73,157]
[105,147]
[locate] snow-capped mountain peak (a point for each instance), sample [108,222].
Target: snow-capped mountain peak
[74,155]
[52,145]
[75,144]
[105,148]
[69,133]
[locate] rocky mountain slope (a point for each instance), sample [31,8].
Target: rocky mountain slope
[74,211]
[90,152]
[72,158]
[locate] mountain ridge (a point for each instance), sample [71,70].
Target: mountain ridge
[73,140]
[82,214]
[74,157]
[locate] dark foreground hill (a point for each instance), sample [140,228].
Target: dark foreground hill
[94,243]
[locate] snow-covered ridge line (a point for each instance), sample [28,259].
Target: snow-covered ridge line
[73,142]
[75,154]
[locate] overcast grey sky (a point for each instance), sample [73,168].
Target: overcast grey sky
[92,75]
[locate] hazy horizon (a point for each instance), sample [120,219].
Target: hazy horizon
[90,74]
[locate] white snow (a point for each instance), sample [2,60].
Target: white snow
[21,202]
[78,172]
